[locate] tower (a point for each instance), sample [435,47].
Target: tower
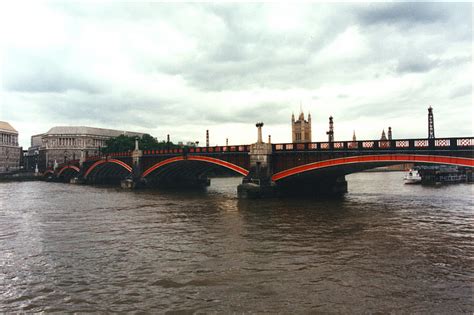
[431,133]
[330,132]
[301,128]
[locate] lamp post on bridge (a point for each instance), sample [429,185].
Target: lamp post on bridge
[259,125]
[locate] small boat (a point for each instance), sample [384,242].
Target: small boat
[412,177]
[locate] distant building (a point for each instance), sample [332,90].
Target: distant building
[31,158]
[62,144]
[10,152]
[301,128]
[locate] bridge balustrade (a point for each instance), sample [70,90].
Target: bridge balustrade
[443,143]
[399,144]
[466,142]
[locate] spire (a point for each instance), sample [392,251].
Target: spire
[309,116]
[330,132]
[354,136]
[292,117]
[383,135]
[431,133]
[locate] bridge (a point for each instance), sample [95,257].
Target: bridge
[266,168]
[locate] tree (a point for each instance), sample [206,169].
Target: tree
[124,143]
[121,143]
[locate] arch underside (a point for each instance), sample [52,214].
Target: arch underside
[107,173]
[186,173]
[67,173]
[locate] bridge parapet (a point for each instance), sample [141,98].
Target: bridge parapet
[215,149]
[367,145]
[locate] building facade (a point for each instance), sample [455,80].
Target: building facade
[10,151]
[62,144]
[301,128]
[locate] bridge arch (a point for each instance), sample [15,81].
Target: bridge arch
[209,160]
[48,173]
[73,167]
[101,162]
[370,161]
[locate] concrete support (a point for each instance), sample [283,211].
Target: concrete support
[82,158]
[137,169]
[76,181]
[258,182]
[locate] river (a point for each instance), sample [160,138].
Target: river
[384,247]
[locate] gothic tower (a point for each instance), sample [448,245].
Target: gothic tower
[301,128]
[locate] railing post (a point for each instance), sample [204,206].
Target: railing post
[431,143]
[453,143]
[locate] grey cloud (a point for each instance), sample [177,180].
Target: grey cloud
[461,91]
[404,13]
[246,56]
[269,112]
[415,65]
[232,49]
[43,72]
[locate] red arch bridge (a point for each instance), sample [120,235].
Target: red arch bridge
[317,167]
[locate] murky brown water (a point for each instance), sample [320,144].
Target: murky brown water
[385,247]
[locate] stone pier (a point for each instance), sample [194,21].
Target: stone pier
[258,182]
[134,180]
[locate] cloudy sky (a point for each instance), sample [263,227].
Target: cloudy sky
[183,68]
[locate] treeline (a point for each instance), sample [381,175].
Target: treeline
[124,143]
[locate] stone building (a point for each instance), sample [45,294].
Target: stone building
[301,128]
[62,144]
[10,152]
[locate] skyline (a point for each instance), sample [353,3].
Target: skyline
[159,68]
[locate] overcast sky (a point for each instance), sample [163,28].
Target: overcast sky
[183,68]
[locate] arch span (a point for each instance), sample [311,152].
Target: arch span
[374,159]
[73,167]
[100,162]
[206,159]
[48,172]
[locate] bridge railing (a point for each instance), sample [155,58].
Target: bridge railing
[396,144]
[215,149]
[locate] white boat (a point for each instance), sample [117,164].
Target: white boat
[412,177]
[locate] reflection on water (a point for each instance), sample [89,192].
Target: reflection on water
[384,247]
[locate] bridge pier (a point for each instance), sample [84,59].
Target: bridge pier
[258,183]
[134,180]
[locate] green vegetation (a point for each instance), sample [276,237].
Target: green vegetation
[124,143]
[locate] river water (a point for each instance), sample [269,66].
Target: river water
[384,247]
